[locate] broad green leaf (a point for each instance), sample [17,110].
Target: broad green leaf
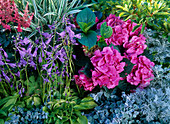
[87,99]
[86,19]
[37,101]
[127,68]
[106,31]
[88,39]
[82,120]
[78,113]
[85,106]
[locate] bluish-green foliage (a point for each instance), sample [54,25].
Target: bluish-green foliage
[149,105]
[158,44]
[34,116]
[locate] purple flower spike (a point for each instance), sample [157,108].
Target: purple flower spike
[6,77]
[62,34]
[13,65]
[35,52]
[46,35]
[26,41]
[23,90]
[49,40]
[2,63]
[39,59]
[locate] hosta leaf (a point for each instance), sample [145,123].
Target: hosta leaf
[106,31]
[82,120]
[87,99]
[85,106]
[37,101]
[88,39]
[86,19]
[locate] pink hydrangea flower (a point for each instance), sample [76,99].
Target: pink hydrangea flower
[134,47]
[141,73]
[83,80]
[112,21]
[119,36]
[129,25]
[107,67]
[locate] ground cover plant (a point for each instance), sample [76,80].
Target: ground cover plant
[70,62]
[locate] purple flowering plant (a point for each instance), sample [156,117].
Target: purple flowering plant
[45,62]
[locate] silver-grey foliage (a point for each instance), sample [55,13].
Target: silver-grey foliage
[151,105]
[158,44]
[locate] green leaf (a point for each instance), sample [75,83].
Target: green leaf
[102,44]
[130,16]
[85,106]
[143,28]
[37,101]
[2,121]
[135,28]
[77,113]
[88,39]
[3,113]
[106,31]
[87,99]
[82,120]
[115,47]
[147,54]
[128,67]
[86,19]
[125,86]
[74,121]
[87,69]
[162,13]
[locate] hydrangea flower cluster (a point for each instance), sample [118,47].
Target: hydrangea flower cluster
[107,67]
[107,64]
[83,80]
[141,73]
[9,13]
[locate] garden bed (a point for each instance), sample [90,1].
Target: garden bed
[84,62]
